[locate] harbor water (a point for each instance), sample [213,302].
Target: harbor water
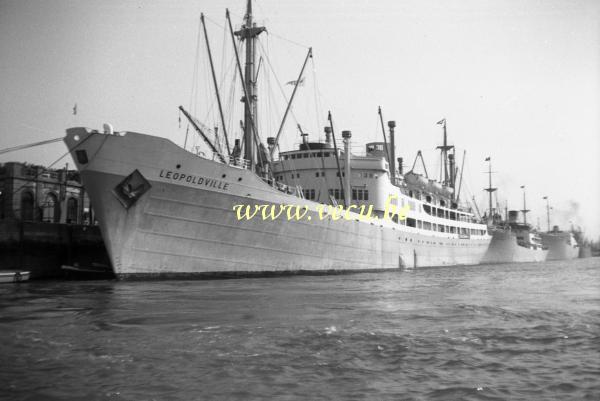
[491,332]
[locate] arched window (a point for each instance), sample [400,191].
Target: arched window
[51,209]
[72,211]
[27,206]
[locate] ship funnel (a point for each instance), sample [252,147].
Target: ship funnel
[328,136]
[513,216]
[270,144]
[304,138]
[391,126]
[347,174]
[237,150]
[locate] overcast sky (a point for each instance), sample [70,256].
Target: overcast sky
[517,80]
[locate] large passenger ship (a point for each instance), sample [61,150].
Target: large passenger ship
[167,212]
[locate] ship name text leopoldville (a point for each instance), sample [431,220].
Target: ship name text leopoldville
[194,179]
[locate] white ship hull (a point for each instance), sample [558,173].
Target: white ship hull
[185,224]
[560,246]
[505,249]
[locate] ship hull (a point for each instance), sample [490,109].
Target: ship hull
[505,249]
[559,246]
[182,227]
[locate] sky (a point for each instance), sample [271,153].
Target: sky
[516,80]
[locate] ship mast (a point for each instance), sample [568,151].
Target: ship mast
[525,210]
[489,189]
[547,211]
[249,32]
[444,149]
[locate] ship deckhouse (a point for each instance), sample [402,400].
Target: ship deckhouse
[317,176]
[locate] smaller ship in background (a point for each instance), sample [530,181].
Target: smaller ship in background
[585,245]
[562,245]
[512,241]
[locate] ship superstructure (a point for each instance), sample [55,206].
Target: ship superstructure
[561,245]
[513,241]
[165,211]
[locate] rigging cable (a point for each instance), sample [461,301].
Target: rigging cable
[29,145]
[57,160]
[278,82]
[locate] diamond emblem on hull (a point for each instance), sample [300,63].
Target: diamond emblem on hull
[131,189]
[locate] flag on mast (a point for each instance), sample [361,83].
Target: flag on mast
[487,159]
[441,122]
[300,82]
[75,109]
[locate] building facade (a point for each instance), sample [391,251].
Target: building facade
[35,193]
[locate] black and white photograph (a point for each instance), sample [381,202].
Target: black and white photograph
[300,200]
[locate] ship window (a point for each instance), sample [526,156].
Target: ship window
[293,156]
[305,156]
[366,194]
[428,198]
[411,222]
[427,225]
[326,154]
[317,174]
[319,154]
[51,209]
[419,224]
[309,194]
[427,209]
[354,195]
